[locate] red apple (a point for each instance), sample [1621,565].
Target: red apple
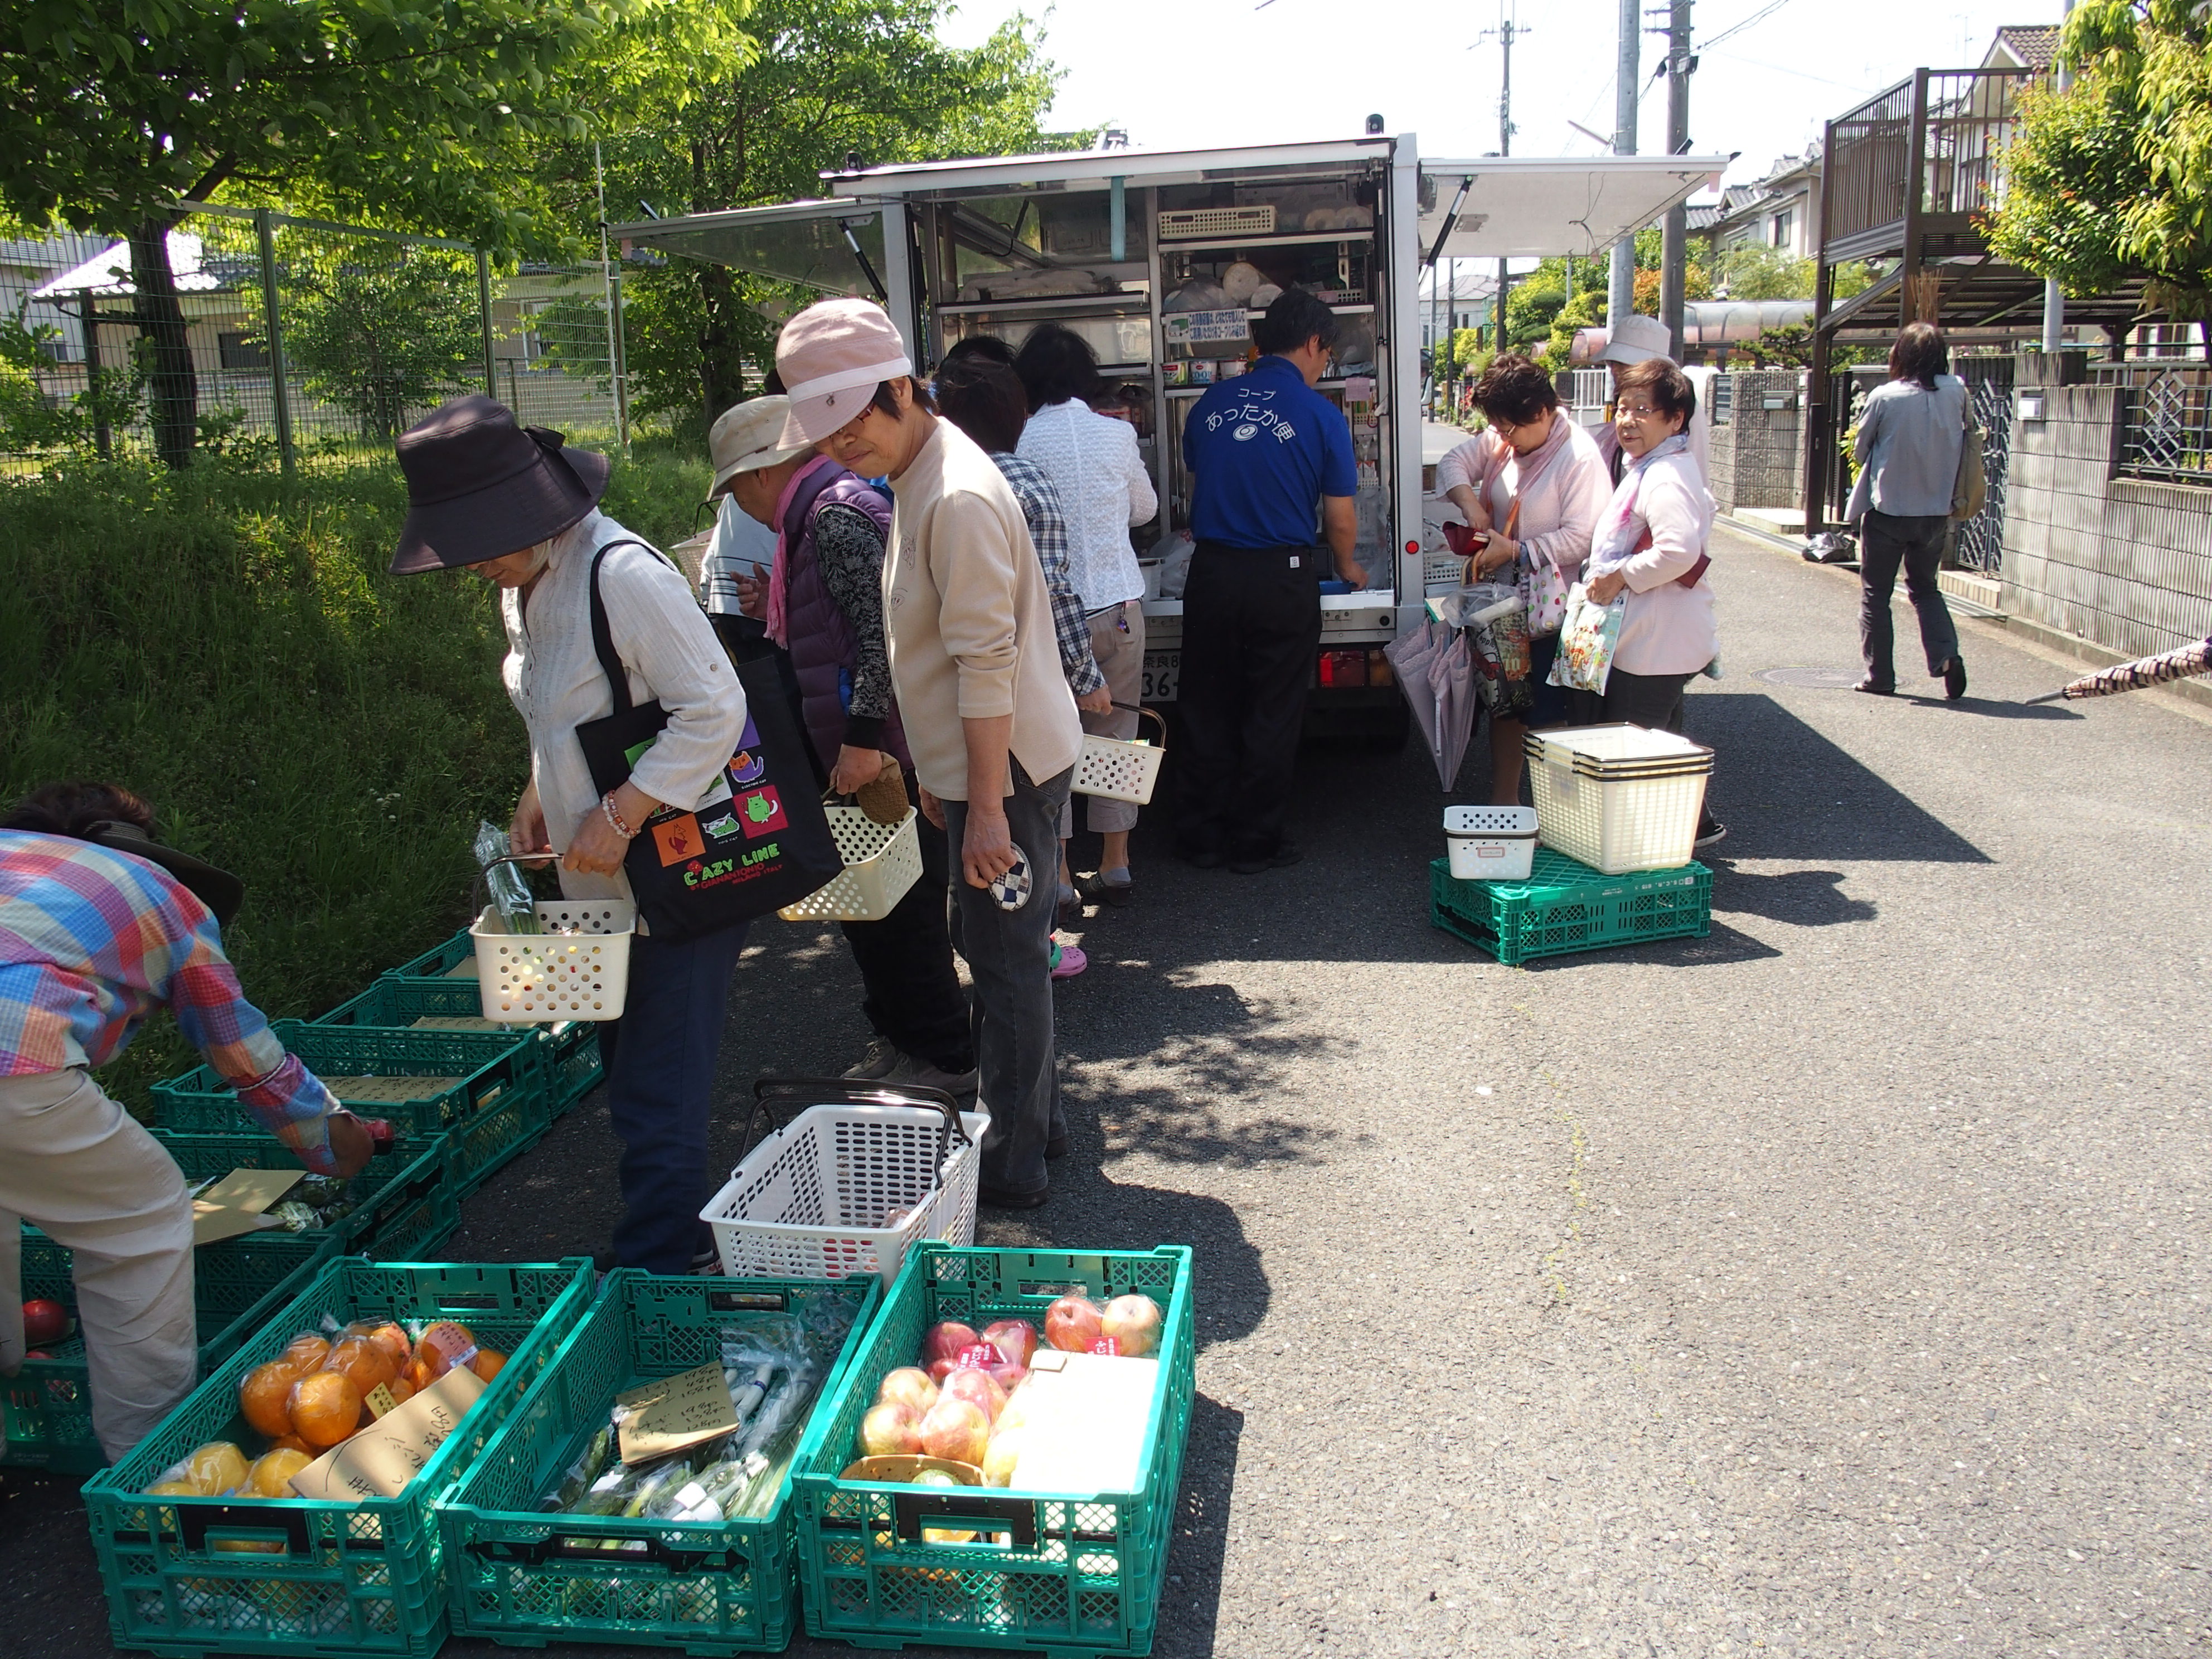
[977,1387]
[941,1346]
[909,1385]
[1072,1323]
[1134,1322]
[44,1320]
[891,1429]
[956,1430]
[1016,1339]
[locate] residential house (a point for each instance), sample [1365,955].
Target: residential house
[1781,210]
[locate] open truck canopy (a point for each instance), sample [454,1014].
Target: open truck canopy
[1515,207]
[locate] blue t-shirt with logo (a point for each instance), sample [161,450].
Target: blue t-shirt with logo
[1263,449]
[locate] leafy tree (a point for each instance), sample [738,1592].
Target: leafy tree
[421,114]
[2112,177]
[1697,284]
[826,78]
[382,336]
[1753,272]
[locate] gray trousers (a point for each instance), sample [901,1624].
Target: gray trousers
[78,1167]
[1009,955]
[1886,542]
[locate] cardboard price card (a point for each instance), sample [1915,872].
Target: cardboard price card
[380,1461]
[677,1412]
[233,1204]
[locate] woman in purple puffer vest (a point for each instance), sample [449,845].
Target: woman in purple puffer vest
[822,603]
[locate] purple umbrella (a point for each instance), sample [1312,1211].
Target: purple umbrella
[2184,662]
[1435,672]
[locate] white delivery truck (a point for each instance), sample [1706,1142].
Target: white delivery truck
[1161,259]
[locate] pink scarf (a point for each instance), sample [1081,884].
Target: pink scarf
[778,576]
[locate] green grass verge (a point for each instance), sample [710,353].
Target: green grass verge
[233,650]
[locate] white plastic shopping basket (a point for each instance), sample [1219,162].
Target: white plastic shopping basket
[881,861]
[1121,768]
[576,967]
[861,1173]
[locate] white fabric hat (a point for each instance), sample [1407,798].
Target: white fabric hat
[748,437]
[1637,340]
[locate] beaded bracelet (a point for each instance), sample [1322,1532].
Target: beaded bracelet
[607,807]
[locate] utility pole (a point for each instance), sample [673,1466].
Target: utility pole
[1674,254]
[1506,34]
[1621,286]
[611,297]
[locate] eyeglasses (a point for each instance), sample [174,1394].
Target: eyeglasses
[1628,412]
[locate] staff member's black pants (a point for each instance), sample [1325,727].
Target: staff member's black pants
[1251,626]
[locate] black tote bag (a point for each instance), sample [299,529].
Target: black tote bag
[761,841]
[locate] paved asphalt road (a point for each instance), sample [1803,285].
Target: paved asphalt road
[1834,1285]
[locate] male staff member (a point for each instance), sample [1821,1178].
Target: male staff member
[1268,455]
[101,924]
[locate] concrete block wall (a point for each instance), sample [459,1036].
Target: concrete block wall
[1759,456]
[2124,563]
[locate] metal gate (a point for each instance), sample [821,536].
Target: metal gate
[1978,543]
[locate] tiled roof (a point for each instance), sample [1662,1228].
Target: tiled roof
[2036,45]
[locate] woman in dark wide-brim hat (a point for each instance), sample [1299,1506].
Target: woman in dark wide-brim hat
[515,505]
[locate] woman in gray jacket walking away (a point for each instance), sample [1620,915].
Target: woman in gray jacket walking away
[1910,432]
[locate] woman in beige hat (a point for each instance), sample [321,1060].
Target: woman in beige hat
[821,604]
[990,721]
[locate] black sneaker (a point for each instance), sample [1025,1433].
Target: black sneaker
[1710,831]
[1955,679]
[998,1199]
[1252,864]
[1057,1147]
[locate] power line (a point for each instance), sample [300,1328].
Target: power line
[1759,17]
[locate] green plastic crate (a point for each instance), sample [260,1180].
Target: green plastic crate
[440,961]
[362,1578]
[408,1208]
[491,1067]
[237,1285]
[1566,905]
[398,1002]
[1077,1574]
[520,1576]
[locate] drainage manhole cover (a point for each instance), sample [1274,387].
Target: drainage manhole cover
[1811,679]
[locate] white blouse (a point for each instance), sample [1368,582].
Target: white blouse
[1099,477]
[667,645]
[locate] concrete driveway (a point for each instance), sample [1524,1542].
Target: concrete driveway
[1832,1284]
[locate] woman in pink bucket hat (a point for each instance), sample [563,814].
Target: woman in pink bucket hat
[989,719]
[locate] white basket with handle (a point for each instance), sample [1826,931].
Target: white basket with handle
[859,1175]
[881,861]
[1121,768]
[576,966]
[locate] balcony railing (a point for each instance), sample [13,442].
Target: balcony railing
[1935,141]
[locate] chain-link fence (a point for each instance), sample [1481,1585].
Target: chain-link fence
[304,336]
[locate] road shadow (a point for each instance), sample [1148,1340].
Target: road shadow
[1190,1602]
[1787,792]
[1804,898]
[1997,709]
[1723,945]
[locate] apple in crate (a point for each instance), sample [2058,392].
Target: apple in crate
[909,1385]
[941,1348]
[1133,1323]
[956,1430]
[978,1388]
[891,1429]
[1073,1324]
[1015,1338]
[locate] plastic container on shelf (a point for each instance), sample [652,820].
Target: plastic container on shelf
[295,1576]
[1564,908]
[881,861]
[520,1576]
[1618,798]
[1073,1573]
[861,1173]
[1491,844]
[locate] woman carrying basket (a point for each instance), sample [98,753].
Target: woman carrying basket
[514,506]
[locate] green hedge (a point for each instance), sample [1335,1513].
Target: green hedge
[233,651]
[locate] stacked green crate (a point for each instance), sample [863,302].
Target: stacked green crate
[297,1576]
[488,1091]
[1565,907]
[438,989]
[404,1207]
[522,1575]
[1075,1573]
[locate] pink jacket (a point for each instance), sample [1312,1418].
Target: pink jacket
[1560,508]
[1667,628]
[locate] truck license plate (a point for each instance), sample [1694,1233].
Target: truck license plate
[1163,672]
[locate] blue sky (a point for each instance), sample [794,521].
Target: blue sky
[1177,72]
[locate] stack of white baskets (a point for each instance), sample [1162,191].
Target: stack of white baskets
[1618,798]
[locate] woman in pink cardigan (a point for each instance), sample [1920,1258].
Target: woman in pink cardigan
[1651,545]
[1538,478]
